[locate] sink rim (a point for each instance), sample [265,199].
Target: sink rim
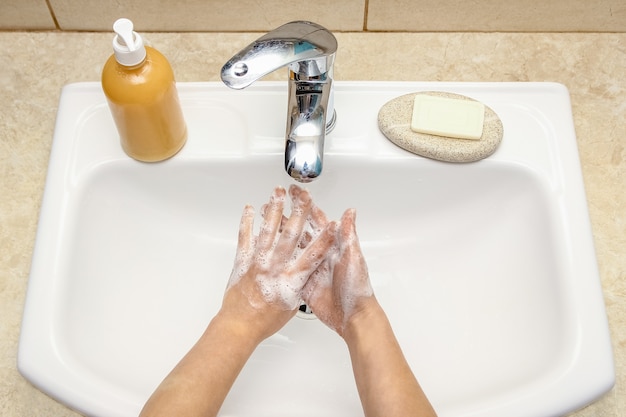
[561,172]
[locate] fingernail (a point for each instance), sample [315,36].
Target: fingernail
[294,189]
[279,193]
[333,226]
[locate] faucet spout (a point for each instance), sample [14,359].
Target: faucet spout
[308,50]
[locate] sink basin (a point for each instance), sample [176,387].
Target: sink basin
[486,270]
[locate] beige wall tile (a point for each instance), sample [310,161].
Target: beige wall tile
[497,15]
[25,14]
[207,15]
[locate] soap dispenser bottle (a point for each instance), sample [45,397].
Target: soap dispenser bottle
[139,84]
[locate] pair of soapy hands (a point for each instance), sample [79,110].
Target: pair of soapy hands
[301,258]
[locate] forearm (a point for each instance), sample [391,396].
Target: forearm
[386,384]
[199,383]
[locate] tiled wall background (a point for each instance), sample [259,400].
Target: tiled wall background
[336,15]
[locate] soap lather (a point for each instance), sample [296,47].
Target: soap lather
[139,84]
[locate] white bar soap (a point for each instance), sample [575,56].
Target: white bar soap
[448,117]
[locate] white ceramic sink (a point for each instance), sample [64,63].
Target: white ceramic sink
[486,270]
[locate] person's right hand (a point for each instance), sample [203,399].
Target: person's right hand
[340,287]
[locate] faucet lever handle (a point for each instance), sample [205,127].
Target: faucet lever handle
[288,44]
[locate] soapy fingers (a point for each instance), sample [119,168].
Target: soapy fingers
[351,265]
[313,257]
[292,230]
[317,217]
[270,269]
[303,258]
[245,244]
[341,286]
[271,220]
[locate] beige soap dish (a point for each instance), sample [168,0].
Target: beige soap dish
[394,121]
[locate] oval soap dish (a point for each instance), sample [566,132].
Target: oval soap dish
[394,121]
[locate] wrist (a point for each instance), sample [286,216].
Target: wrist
[238,332]
[366,320]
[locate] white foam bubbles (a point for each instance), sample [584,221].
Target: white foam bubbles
[278,290]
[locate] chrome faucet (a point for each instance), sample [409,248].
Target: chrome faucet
[309,51]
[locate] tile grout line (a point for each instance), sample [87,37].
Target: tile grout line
[365,14]
[54,18]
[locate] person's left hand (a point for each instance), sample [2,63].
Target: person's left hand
[264,290]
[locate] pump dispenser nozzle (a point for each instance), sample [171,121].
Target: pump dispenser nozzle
[127,45]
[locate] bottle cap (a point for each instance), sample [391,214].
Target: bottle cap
[127,44]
